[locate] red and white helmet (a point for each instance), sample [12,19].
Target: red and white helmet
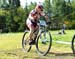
[39,5]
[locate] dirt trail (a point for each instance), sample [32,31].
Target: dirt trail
[19,54]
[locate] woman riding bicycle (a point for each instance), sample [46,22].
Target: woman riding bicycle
[32,21]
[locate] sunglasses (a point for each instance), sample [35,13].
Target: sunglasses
[40,6]
[41,9]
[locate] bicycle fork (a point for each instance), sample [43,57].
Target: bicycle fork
[43,40]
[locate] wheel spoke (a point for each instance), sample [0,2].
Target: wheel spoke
[25,42]
[44,43]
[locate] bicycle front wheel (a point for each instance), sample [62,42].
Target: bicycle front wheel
[25,42]
[73,44]
[43,43]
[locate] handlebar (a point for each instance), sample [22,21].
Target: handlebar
[48,22]
[43,23]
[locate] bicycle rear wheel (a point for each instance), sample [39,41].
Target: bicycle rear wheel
[73,44]
[43,43]
[25,42]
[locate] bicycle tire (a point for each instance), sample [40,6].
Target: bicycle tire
[26,48]
[37,45]
[73,44]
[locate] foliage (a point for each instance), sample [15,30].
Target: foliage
[2,19]
[47,7]
[13,17]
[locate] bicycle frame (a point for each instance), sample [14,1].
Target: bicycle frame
[41,38]
[42,27]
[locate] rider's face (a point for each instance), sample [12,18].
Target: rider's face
[40,10]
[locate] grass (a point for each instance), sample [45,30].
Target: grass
[66,37]
[10,47]
[10,41]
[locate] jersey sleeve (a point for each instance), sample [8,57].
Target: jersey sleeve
[32,13]
[43,14]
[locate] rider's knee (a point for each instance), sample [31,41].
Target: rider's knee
[31,31]
[37,27]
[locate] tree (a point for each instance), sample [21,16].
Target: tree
[15,3]
[48,7]
[3,4]
[0,3]
[57,6]
[31,6]
[73,5]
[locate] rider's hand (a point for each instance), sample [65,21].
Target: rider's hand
[48,22]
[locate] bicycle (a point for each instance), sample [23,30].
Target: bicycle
[43,41]
[73,44]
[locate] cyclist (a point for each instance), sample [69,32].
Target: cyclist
[32,21]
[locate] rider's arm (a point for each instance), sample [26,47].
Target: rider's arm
[46,17]
[32,14]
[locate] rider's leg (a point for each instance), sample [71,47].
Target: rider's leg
[31,28]
[31,33]
[37,30]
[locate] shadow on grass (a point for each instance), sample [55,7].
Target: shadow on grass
[62,54]
[33,55]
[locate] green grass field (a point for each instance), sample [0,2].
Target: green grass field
[66,37]
[10,47]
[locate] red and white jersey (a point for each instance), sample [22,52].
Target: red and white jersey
[34,15]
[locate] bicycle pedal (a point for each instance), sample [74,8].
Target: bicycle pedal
[32,43]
